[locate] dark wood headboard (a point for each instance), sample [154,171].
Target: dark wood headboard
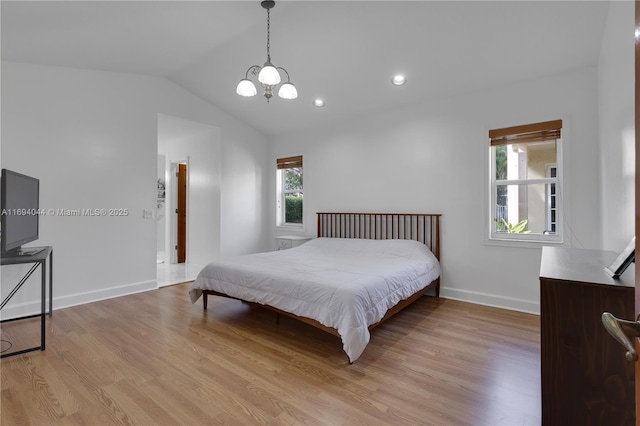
[383,226]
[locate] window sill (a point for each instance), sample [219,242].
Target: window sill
[299,227]
[531,244]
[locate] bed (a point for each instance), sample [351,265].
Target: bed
[360,270]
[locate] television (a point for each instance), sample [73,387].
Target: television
[19,209]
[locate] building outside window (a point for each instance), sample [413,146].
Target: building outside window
[526,183]
[290,190]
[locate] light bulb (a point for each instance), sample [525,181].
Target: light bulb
[288,91]
[269,75]
[399,80]
[246,88]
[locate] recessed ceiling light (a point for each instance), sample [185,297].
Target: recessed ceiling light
[318,102]
[637,33]
[399,79]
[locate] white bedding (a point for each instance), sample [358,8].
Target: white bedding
[346,284]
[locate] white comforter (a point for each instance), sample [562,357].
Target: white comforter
[346,284]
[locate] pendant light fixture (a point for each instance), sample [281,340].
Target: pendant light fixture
[268,74]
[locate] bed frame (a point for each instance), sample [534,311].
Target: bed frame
[421,227]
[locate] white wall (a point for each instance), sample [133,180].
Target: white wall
[431,158]
[617,132]
[91,138]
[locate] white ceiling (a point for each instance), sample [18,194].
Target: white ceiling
[342,51]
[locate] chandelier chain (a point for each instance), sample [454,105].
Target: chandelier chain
[268,35]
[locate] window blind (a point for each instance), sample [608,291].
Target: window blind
[536,132]
[289,162]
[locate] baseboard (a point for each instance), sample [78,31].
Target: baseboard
[510,303]
[59,302]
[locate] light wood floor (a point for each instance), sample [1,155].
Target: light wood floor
[155,359]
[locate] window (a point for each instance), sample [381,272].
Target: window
[290,191]
[525,179]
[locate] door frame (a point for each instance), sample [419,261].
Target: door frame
[637,194]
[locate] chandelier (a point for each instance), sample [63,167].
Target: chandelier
[268,74]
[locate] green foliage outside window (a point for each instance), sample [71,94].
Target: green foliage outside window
[293,209]
[293,179]
[518,228]
[293,200]
[501,173]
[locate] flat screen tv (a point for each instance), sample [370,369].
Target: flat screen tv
[20,200]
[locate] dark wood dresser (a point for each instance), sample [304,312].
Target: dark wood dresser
[586,379]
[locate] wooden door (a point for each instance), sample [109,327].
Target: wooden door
[628,330]
[181,211]
[637,183]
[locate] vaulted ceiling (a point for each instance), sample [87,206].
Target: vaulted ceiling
[342,51]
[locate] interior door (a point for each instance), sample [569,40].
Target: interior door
[627,331]
[181,211]
[637,128]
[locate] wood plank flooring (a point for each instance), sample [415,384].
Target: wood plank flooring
[155,359]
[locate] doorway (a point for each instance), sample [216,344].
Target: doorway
[178,267]
[197,147]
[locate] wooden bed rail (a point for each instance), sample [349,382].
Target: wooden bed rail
[422,227]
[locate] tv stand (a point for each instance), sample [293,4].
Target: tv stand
[38,256]
[24,252]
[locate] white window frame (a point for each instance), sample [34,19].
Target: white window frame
[504,238]
[281,193]
[549,196]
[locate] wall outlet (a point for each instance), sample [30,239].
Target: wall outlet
[147,214]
